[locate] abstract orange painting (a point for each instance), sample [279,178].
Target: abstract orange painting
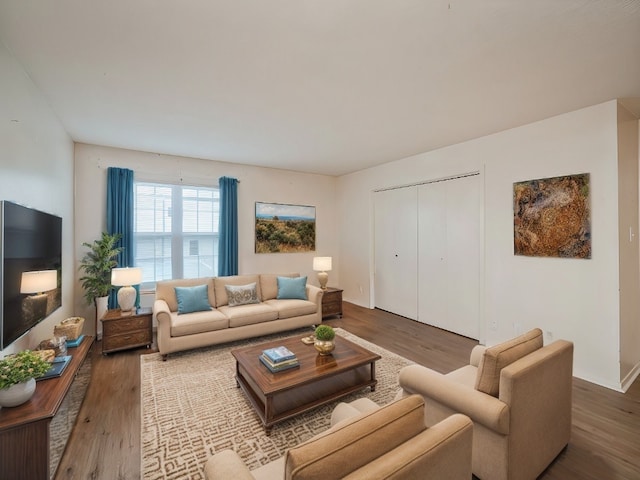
[552,217]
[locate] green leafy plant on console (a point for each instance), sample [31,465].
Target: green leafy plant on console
[21,367]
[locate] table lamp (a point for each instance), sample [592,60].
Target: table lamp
[322,265]
[125,278]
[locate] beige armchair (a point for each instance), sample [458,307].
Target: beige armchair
[518,395]
[367,442]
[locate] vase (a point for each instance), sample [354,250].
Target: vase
[17,394]
[324,347]
[101,309]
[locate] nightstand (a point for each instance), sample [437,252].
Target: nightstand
[332,302]
[121,332]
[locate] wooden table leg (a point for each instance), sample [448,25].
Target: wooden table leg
[373,376]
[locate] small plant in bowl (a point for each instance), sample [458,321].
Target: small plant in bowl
[324,339]
[19,371]
[325,332]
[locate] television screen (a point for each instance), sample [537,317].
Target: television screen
[31,269]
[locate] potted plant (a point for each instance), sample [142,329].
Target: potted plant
[324,336]
[97,264]
[17,377]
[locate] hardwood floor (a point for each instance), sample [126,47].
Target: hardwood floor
[105,443]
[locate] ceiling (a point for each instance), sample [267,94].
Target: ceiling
[324,86]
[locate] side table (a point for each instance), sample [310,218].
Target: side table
[332,302]
[123,331]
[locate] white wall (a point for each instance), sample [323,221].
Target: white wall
[256,185]
[36,170]
[567,298]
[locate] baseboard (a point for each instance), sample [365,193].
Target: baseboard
[630,378]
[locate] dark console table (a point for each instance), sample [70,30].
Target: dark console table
[26,448]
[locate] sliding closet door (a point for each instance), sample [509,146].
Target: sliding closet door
[449,255]
[396,271]
[432,259]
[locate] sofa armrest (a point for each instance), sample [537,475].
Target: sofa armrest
[161,312]
[226,465]
[480,407]
[476,355]
[314,294]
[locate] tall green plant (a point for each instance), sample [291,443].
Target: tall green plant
[97,264]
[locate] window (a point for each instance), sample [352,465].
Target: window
[175,231]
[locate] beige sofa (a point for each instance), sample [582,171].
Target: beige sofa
[224,323]
[518,395]
[366,442]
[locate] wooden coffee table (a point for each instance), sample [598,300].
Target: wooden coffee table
[319,379]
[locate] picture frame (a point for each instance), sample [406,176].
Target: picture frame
[284,228]
[552,217]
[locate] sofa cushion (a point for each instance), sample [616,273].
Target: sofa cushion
[221,292]
[192,299]
[249,314]
[242,294]
[499,356]
[197,322]
[293,308]
[352,444]
[165,290]
[292,288]
[269,284]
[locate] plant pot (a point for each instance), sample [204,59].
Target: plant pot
[324,347]
[101,309]
[17,394]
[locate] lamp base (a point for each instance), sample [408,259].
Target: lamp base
[126,299]
[323,278]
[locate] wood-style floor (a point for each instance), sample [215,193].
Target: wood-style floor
[105,443]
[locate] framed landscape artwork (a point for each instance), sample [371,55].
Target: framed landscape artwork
[282,228]
[552,217]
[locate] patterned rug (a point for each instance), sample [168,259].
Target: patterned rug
[192,408]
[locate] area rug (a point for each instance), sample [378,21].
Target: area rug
[192,408]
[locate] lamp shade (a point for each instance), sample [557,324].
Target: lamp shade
[321,264]
[124,277]
[39,281]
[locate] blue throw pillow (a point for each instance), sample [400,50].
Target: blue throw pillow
[192,299]
[294,288]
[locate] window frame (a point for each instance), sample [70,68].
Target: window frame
[177,236]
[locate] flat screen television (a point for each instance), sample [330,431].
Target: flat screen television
[31,242]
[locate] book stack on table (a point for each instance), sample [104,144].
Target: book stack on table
[278,359]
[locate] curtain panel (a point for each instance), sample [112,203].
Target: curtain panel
[120,219]
[228,228]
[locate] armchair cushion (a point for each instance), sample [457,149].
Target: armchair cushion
[442,451]
[499,356]
[350,445]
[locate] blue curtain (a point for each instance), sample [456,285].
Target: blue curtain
[228,240]
[120,218]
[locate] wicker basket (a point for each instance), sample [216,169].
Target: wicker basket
[70,328]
